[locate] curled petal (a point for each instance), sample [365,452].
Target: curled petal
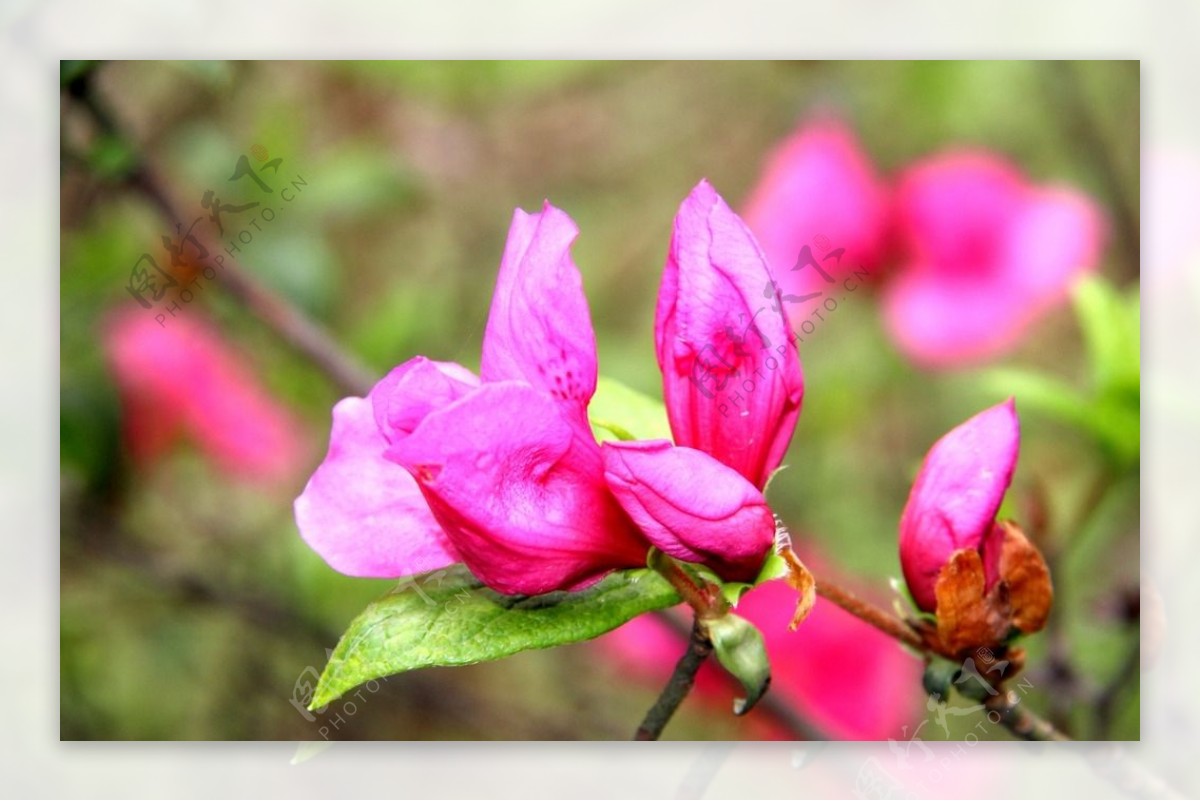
[539,329]
[691,506]
[955,498]
[411,391]
[364,515]
[731,375]
[519,491]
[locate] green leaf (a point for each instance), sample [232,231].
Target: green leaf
[450,618]
[1111,330]
[740,649]
[618,412]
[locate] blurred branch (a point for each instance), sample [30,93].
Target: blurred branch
[292,325]
[1105,701]
[1082,127]
[1017,718]
[679,685]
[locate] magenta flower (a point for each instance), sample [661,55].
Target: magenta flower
[955,498]
[504,474]
[986,254]
[818,194]
[731,375]
[363,514]
[691,506]
[183,380]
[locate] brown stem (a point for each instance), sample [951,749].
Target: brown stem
[1015,717]
[680,683]
[889,624]
[285,319]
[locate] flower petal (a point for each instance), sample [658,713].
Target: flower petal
[364,515]
[411,391]
[539,329]
[520,491]
[955,498]
[691,506]
[731,375]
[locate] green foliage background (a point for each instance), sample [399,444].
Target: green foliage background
[189,606]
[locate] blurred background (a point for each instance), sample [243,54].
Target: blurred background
[190,608]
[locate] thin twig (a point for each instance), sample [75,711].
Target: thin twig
[292,325]
[1015,717]
[773,704]
[679,685]
[889,624]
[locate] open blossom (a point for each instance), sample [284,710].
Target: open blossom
[502,471]
[503,474]
[956,496]
[818,191]
[732,386]
[183,381]
[985,253]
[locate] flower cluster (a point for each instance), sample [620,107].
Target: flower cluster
[979,251]
[501,470]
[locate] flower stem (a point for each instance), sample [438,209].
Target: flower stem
[889,624]
[1013,716]
[680,683]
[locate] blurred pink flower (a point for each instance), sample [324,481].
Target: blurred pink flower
[955,498]
[818,190]
[984,254]
[850,680]
[182,380]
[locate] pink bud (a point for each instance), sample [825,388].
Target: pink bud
[731,375]
[691,506]
[956,496]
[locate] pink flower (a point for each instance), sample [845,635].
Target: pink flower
[183,380]
[363,514]
[691,506]
[819,191]
[504,474]
[986,253]
[848,679]
[955,498]
[731,375]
